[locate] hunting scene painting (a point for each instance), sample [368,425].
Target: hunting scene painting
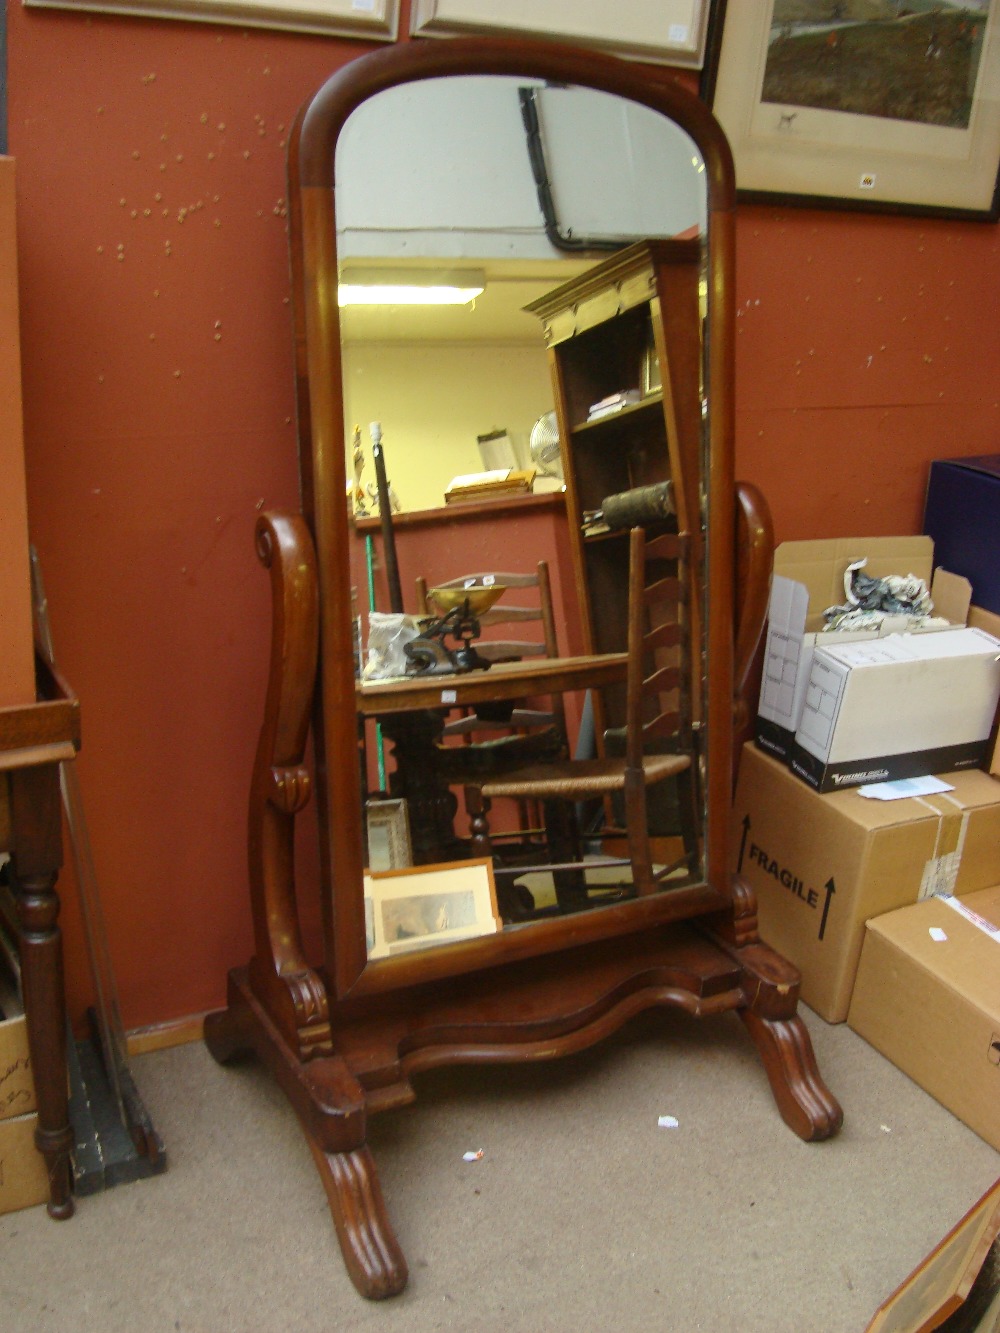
[910,60]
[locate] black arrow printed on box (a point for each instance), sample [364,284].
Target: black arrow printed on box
[831,889]
[743,843]
[785,877]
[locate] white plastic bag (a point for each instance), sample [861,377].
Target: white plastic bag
[388,632]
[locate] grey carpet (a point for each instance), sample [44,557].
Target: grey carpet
[582,1214]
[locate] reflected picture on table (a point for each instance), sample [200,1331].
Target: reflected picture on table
[409,918]
[429,905]
[388,827]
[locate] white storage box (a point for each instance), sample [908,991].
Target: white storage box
[898,707]
[808,578]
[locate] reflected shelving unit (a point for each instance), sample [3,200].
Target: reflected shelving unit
[629,326]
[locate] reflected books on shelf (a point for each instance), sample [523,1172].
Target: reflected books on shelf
[497,484]
[613,403]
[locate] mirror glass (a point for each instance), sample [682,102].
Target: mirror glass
[437,176]
[512,187]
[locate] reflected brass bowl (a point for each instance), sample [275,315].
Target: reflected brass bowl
[480,599]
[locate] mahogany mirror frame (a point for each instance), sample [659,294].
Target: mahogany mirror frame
[320,402]
[345,1041]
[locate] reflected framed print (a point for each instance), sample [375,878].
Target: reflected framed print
[429,905]
[388,829]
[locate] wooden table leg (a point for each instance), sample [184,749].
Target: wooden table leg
[36,855]
[431,804]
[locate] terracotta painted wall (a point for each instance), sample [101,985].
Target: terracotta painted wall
[867,346]
[17,660]
[158,417]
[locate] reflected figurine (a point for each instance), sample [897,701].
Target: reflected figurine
[381,482]
[357,491]
[373,497]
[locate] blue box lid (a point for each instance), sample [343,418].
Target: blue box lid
[986,463]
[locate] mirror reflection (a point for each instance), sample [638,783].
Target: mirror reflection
[502,727]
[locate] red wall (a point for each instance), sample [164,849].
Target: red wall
[867,346]
[158,419]
[17,660]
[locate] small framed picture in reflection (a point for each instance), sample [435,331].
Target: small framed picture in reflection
[388,826]
[650,379]
[429,905]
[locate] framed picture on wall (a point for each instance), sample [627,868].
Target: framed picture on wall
[669,32]
[898,111]
[374,20]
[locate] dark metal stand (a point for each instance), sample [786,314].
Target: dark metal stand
[105,1152]
[114,1140]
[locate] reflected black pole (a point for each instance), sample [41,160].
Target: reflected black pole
[385,520]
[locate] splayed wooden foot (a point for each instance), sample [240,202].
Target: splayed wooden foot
[806,1104]
[371,1252]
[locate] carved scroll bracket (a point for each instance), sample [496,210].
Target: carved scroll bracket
[281,787]
[291,788]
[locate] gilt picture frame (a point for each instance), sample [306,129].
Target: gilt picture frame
[958,1267]
[897,114]
[388,830]
[370,20]
[669,32]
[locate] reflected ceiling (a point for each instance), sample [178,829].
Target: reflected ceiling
[495,316]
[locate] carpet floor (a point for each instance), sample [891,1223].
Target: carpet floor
[583,1212]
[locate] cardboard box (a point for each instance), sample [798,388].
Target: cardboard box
[17,1087]
[990,622]
[808,578]
[897,707]
[23,1172]
[24,1176]
[822,865]
[928,997]
[962,516]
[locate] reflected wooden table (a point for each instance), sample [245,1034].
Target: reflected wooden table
[411,711]
[34,740]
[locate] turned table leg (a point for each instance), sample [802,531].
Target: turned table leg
[35,860]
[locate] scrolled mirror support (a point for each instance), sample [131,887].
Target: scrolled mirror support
[282,785]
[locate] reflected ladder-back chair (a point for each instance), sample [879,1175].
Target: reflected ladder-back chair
[509,735]
[659,740]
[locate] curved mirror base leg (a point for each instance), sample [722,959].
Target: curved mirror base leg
[684,969]
[805,1102]
[374,1261]
[227,1035]
[330,1106]
[770,985]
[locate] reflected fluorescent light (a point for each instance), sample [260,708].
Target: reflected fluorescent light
[381,287]
[386,294]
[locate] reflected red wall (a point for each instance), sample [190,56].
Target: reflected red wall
[158,397]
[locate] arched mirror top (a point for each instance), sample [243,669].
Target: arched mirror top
[321,120]
[604,120]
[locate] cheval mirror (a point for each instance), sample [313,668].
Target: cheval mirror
[600,197]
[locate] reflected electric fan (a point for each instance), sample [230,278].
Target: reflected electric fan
[543,445]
